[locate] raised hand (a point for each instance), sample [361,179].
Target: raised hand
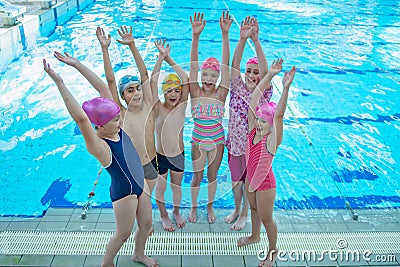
[104,39]
[46,66]
[162,48]
[198,23]
[225,21]
[276,66]
[254,29]
[245,28]
[66,58]
[288,77]
[126,35]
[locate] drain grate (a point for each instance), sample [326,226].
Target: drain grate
[94,243]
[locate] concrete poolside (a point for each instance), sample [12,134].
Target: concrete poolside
[290,222]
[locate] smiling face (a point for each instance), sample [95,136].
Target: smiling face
[133,95]
[209,78]
[262,126]
[252,76]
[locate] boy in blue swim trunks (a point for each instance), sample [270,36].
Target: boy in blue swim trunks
[170,119]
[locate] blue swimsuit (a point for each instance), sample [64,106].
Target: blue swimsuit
[125,169]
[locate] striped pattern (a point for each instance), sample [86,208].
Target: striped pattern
[180,243]
[259,164]
[207,125]
[208,133]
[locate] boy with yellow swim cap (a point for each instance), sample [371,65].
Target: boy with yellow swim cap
[171,81]
[169,120]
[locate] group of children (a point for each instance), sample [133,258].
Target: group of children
[124,141]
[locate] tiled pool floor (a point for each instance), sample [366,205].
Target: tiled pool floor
[291,221]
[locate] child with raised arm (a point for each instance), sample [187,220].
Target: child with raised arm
[265,136]
[208,108]
[110,145]
[240,92]
[170,119]
[138,116]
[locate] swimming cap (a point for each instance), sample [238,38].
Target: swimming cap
[171,81]
[127,80]
[100,110]
[253,60]
[211,63]
[266,111]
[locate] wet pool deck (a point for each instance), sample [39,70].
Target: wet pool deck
[98,219]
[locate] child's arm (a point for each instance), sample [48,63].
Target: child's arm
[277,131]
[163,52]
[262,60]
[225,23]
[182,74]
[127,39]
[105,41]
[93,143]
[93,79]
[245,32]
[276,67]
[198,24]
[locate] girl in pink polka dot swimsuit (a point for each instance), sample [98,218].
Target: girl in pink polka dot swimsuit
[240,91]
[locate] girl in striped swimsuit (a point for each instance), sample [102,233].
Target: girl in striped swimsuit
[265,136]
[208,102]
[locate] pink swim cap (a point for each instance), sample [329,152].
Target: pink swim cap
[211,63]
[100,110]
[266,111]
[253,60]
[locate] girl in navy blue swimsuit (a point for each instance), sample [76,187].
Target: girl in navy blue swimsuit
[110,145]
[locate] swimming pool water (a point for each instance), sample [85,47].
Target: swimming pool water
[341,125]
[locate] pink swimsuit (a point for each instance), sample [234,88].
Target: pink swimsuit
[259,164]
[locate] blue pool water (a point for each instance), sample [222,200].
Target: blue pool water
[341,127]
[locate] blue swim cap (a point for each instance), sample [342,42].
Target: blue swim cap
[127,80]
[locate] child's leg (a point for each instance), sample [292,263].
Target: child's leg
[255,219]
[265,199]
[144,221]
[237,166]
[151,184]
[176,186]
[214,160]
[160,200]
[242,219]
[198,161]
[124,212]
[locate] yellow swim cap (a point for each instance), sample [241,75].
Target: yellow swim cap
[171,81]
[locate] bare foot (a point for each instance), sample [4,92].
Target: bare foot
[211,216]
[180,222]
[145,260]
[192,215]
[167,224]
[270,260]
[232,217]
[247,240]
[240,223]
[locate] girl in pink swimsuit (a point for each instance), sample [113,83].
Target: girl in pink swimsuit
[207,100]
[265,136]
